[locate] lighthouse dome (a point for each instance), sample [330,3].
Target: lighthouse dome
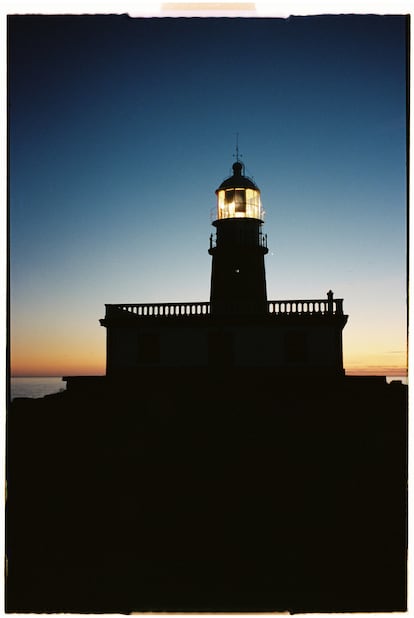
[238,196]
[238,179]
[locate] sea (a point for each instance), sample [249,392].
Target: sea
[39,387]
[35,387]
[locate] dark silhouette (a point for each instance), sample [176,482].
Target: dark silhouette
[188,479]
[239,327]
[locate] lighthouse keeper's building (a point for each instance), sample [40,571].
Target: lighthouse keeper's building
[239,327]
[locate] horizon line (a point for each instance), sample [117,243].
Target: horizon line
[397,372]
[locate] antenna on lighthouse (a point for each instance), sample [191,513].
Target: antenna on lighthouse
[238,156]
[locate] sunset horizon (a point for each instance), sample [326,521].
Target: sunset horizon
[120,131]
[73,369]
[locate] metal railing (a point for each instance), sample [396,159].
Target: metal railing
[261,241]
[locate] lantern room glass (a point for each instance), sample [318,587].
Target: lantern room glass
[240,203]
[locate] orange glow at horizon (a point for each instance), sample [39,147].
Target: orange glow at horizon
[376,370]
[365,363]
[75,360]
[57,356]
[371,349]
[57,370]
[75,366]
[58,347]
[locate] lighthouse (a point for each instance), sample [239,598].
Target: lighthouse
[238,328]
[238,280]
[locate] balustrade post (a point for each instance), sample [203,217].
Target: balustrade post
[330,302]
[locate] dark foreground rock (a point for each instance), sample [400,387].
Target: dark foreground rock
[208,495]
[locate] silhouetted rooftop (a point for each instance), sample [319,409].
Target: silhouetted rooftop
[238,180]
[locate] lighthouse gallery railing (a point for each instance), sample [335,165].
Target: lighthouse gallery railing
[330,306]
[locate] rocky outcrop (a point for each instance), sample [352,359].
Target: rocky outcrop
[208,496]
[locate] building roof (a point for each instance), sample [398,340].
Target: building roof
[238,180]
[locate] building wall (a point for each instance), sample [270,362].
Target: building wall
[289,344]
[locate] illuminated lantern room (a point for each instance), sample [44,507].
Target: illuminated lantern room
[238,197]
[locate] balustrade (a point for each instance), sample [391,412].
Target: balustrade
[327,306]
[162,309]
[323,306]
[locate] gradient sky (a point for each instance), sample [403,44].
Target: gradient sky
[121,129]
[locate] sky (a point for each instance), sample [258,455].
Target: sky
[121,129]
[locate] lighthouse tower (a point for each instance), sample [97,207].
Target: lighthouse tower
[238,281]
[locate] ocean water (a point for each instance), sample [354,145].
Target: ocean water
[35,387]
[403,379]
[39,387]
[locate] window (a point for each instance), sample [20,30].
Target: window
[239,202]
